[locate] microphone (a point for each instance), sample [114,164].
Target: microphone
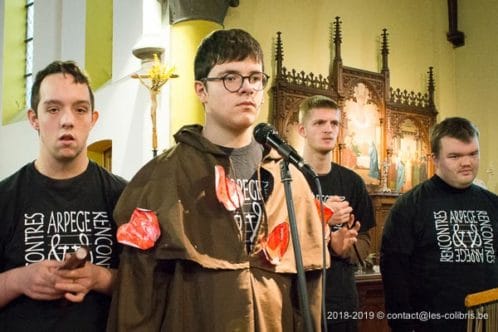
[266,134]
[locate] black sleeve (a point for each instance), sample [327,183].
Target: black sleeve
[363,208]
[396,251]
[9,197]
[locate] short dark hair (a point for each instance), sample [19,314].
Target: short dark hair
[312,102]
[56,67]
[455,127]
[223,46]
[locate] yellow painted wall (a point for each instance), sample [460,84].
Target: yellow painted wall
[13,58]
[98,41]
[185,38]
[464,77]
[477,79]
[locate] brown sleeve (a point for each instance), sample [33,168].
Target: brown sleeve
[363,246]
[140,292]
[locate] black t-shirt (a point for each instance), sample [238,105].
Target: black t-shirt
[341,294]
[42,219]
[439,244]
[245,162]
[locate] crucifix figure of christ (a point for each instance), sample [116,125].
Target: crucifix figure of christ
[154,80]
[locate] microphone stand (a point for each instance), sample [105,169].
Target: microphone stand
[302,290]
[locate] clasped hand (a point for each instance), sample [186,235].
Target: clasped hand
[45,281]
[340,207]
[343,239]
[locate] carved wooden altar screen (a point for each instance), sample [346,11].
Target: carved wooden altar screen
[385,131]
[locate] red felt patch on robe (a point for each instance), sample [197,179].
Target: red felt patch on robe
[227,190]
[142,231]
[277,244]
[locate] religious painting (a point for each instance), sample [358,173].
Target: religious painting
[361,135]
[409,160]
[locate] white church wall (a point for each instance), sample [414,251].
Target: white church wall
[123,103]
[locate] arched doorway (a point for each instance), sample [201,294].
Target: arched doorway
[101,153]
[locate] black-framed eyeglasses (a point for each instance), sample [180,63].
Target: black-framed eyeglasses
[234,81]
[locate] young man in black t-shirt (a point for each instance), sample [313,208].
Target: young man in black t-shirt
[345,192]
[53,206]
[440,239]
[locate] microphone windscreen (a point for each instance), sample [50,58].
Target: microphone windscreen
[261,132]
